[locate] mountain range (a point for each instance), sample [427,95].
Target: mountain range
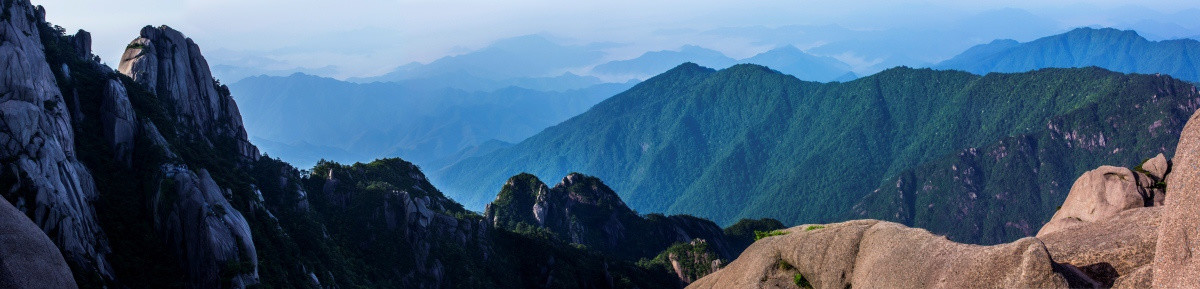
[144,177]
[1112,49]
[304,118]
[150,175]
[748,141]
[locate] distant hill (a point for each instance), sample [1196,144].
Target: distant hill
[507,60]
[654,62]
[749,142]
[301,118]
[790,60]
[787,59]
[1112,49]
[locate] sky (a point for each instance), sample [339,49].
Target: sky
[359,38]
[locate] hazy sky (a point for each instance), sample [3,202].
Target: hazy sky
[371,37]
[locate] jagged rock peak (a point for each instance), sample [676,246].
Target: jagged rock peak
[43,177]
[172,67]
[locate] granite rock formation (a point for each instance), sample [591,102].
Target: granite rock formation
[41,174]
[583,210]
[28,259]
[171,66]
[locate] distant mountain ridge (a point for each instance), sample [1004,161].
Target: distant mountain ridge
[748,142]
[786,59]
[1108,48]
[301,114]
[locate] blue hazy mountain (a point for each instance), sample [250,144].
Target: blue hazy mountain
[310,116]
[790,60]
[513,58]
[1117,50]
[655,62]
[786,59]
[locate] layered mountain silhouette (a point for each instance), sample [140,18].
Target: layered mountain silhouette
[787,59]
[305,118]
[1112,49]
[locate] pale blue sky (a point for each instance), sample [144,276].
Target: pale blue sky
[371,37]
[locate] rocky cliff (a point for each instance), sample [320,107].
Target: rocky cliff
[171,66]
[41,174]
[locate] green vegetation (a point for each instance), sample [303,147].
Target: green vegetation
[758,235]
[695,259]
[801,282]
[742,233]
[813,227]
[747,142]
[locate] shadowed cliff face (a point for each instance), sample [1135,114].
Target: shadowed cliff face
[583,210]
[41,174]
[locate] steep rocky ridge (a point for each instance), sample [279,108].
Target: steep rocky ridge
[583,210]
[171,66]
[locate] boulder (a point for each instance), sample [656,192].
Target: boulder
[878,254]
[1096,195]
[1177,254]
[1157,167]
[119,122]
[41,175]
[1111,249]
[204,229]
[28,259]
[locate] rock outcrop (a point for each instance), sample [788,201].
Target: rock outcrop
[1097,195]
[393,207]
[878,254]
[583,210]
[41,175]
[1112,251]
[119,122]
[206,231]
[171,66]
[1177,254]
[28,259]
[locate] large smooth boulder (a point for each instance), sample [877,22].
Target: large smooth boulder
[1177,255]
[877,254]
[1096,195]
[28,259]
[1111,251]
